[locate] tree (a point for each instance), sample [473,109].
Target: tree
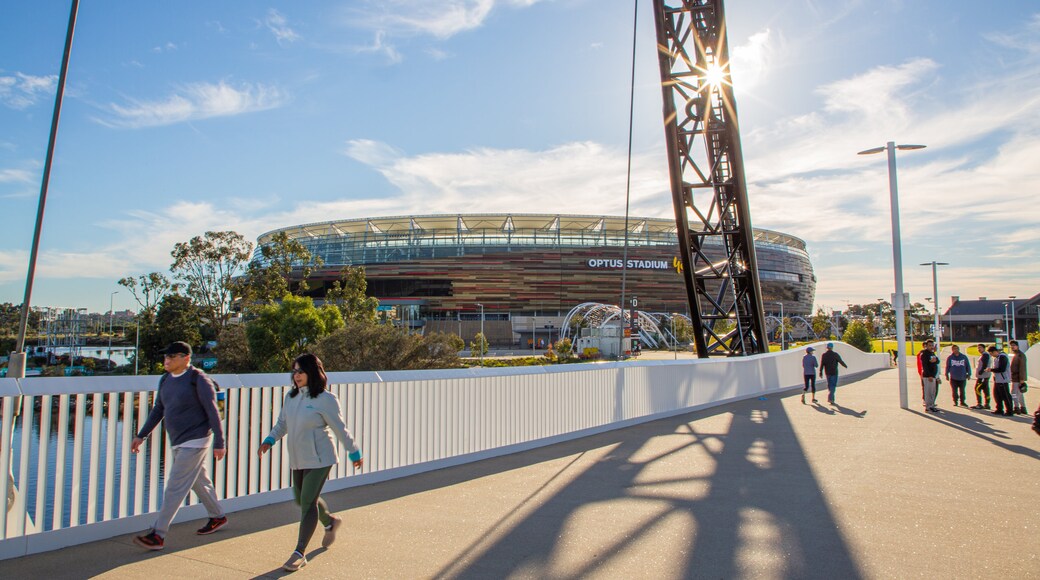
[360,346]
[564,347]
[233,355]
[349,295]
[177,318]
[208,265]
[282,331]
[270,277]
[148,289]
[821,323]
[683,329]
[479,345]
[858,336]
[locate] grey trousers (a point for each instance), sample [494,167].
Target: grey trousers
[188,472]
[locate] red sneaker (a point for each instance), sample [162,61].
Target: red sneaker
[211,526]
[150,541]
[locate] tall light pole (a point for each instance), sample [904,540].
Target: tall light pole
[1014,330]
[1007,325]
[111,311]
[897,260]
[483,339]
[783,342]
[935,294]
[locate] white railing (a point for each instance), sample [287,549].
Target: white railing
[77,481]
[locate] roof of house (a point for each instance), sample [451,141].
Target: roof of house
[992,308]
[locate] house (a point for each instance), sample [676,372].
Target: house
[985,320]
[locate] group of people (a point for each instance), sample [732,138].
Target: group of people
[828,364]
[186,403]
[1008,374]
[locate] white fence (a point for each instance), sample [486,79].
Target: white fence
[77,481]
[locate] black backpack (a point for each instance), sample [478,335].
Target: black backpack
[195,374]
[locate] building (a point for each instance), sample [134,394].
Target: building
[435,271]
[985,320]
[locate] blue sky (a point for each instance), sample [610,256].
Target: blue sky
[190,116]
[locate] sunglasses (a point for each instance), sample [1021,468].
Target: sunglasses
[297,372]
[174,355]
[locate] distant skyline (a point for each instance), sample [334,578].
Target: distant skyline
[196,116]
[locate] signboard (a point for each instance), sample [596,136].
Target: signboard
[603,263]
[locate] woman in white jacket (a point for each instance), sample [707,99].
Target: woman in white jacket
[310,415]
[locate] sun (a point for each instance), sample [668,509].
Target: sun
[715,75]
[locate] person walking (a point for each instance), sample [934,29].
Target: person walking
[186,403]
[982,375]
[809,365]
[928,365]
[309,413]
[958,369]
[1001,379]
[829,362]
[1018,378]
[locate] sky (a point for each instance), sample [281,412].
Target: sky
[184,117]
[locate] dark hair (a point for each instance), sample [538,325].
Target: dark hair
[316,379]
[991,349]
[1013,343]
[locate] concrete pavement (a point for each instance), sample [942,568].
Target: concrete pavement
[756,489]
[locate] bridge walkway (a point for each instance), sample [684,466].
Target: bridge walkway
[756,489]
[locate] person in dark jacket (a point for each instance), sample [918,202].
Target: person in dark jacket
[982,375]
[186,403]
[958,369]
[829,362]
[928,365]
[1018,378]
[1001,380]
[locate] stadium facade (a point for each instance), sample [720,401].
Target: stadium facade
[442,267]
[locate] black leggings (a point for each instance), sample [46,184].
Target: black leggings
[982,388]
[810,380]
[306,487]
[958,390]
[1002,398]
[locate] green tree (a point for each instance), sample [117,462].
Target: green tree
[858,336]
[479,345]
[177,318]
[360,346]
[683,329]
[281,259]
[233,355]
[148,289]
[820,322]
[349,295]
[208,265]
[457,342]
[282,331]
[564,347]
[1033,338]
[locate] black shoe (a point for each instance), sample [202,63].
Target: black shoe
[151,541]
[211,526]
[934,409]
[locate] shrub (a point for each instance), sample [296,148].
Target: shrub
[858,336]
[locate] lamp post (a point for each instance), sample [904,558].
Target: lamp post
[935,295]
[881,322]
[1014,330]
[111,311]
[897,259]
[1007,325]
[783,342]
[483,339]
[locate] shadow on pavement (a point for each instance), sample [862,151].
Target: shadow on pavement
[742,496]
[972,425]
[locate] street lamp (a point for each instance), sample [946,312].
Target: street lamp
[482,337]
[111,311]
[783,343]
[897,260]
[1014,330]
[1007,325]
[935,293]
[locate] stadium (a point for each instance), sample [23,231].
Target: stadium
[521,273]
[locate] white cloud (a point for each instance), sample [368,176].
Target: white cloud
[751,62]
[194,102]
[381,46]
[15,176]
[279,26]
[21,91]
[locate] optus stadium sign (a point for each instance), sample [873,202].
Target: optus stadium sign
[631,264]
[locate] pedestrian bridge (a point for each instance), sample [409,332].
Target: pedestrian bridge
[760,485]
[77,481]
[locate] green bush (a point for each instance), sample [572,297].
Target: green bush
[858,336]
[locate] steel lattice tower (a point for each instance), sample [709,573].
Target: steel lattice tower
[706,169]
